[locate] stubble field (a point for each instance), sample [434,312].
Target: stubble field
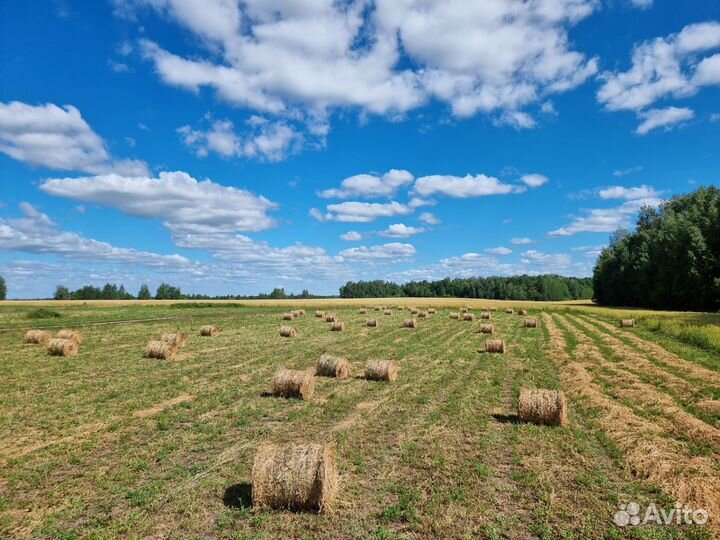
[109,444]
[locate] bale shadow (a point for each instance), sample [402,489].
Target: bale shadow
[267,394]
[506,418]
[238,495]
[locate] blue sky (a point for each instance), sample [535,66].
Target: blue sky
[231,147]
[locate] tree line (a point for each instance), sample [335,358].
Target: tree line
[549,287]
[670,261]
[165,291]
[111,291]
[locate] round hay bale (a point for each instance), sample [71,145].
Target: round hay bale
[495,346]
[432,311]
[288,331]
[410,323]
[209,330]
[414,311]
[468,317]
[331,318]
[164,350]
[62,347]
[178,338]
[320,314]
[372,322]
[487,329]
[522,312]
[381,370]
[296,477]
[493,309]
[289,383]
[332,366]
[546,407]
[76,336]
[509,311]
[423,314]
[338,326]
[377,308]
[485,315]
[463,310]
[301,312]
[39,337]
[454,315]
[530,323]
[363,311]
[627,323]
[387,312]
[287,317]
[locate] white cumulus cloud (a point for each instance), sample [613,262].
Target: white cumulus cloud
[605,220]
[182,202]
[667,118]
[400,230]
[672,66]
[389,57]
[36,233]
[261,139]
[629,193]
[360,212]
[370,185]
[392,251]
[57,138]
[501,250]
[351,236]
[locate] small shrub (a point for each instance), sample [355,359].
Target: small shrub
[42,313]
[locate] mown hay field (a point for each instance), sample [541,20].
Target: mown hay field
[111,444]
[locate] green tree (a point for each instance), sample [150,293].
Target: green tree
[3,288]
[61,293]
[670,261]
[144,292]
[168,292]
[278,293]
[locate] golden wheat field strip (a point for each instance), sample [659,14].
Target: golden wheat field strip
[110,444]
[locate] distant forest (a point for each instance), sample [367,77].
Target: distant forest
[671,261]
[165,291]
[546,287]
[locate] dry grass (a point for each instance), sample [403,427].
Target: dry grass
[381,370]
[37,337]
[495,346]
[177,338]
[410,323]
[62,347]
[74,335]
[547,407]
[117,447]
[292,383]
[209,330]
[288,331]
[298,477]
[164,350]
[332,366]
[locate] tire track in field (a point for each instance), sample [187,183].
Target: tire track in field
[631,387]
[648,453]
